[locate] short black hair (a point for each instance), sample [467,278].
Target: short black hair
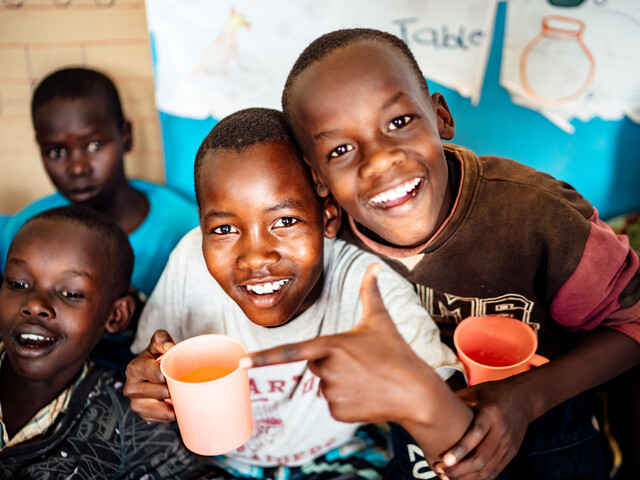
[113,240]
[78,83]
[243,129]
[327,43]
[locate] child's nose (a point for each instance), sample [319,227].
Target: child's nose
[378,157]
[256,253]
[78,164]
[37,305]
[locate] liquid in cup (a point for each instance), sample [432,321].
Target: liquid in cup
[205,374]
[210,393]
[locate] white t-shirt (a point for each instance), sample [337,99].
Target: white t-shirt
[187,301]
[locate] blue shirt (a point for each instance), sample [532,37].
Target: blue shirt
[169,218]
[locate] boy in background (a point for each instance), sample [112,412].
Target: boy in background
[264,267]
[477,236]
[83,136]
[66,283]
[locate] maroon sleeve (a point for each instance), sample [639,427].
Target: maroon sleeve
[605,287]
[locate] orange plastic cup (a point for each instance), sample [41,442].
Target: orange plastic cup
[209,392]
[495,347]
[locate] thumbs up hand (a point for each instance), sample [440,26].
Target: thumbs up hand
[365,372]
[370,374]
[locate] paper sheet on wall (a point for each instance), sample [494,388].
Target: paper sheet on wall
[573,62]
[213,58]
[39,36]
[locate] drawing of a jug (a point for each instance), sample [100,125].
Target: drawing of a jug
[556,66]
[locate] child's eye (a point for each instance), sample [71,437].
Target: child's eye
[225,230]
[56,153]
[339,151]
[16,285]
[71,295]
[400,122]
[93,147]
[285,222]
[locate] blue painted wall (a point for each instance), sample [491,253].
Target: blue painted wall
[601,159]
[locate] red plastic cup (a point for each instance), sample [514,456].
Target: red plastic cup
[495,347]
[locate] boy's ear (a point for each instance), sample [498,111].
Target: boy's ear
[332,217]
[318,183]
[127,136]
[446,126]
[121,313]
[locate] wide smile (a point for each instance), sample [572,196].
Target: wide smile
[264,294]
[266,288]
[34,343]
[397,195]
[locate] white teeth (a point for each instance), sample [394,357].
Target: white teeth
[397,192]
[265,288]
[34,337]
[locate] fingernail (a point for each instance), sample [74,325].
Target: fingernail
[167,346]
[449,459]
[245,362]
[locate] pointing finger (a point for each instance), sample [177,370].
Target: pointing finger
[309,350]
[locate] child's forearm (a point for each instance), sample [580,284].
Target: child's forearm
[602,355]
[438,419]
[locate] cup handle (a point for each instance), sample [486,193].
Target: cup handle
[168,400]
[538,360]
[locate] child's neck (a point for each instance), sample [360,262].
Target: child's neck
[128,208]
[21,399]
